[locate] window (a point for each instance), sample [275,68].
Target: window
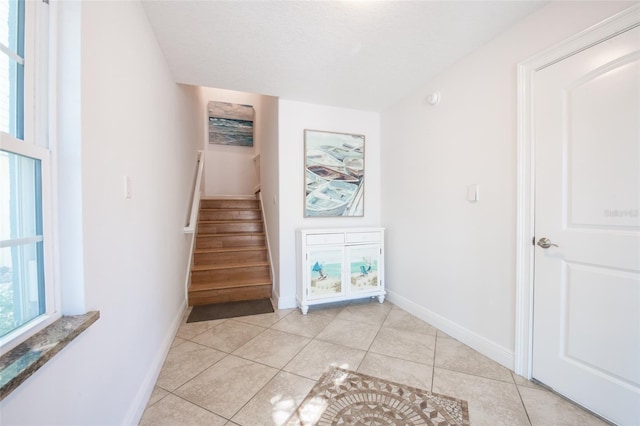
[27,296]
[12,68]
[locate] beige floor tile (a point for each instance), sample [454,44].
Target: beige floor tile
[404,321]
[186,313]
[491,402]
[317,357]
[189,330]
[370,300]
[521,381]
[397,370]
[357,335]
[275,403]
[545,408]
[303,325]
[274,348]
[368,311]
[172,411]
[402,351]
[453,355]
[228,336]
[184,362]
[442,334]
[227,386]
[156,395]
[328,309]
[405,345]
[265,320]
[177,341]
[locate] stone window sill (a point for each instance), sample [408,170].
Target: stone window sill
[21,362]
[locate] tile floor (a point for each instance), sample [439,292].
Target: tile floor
[256,370]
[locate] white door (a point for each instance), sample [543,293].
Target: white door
[586,133]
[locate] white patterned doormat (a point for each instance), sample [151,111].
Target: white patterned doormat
[343,397]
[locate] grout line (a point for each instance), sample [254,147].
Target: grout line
[433,367]
[373,340]
[200,406]
[524,406]
[254,395]
[477,375]
[173,392]
[426,364]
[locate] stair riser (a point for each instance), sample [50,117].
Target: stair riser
[205,242]
[230,215]
[229,295]
[229,204]
[224,276]
[216,259]
[224,228]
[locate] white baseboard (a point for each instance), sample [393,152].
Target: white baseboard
[481,344]
[287,302]
[139,403]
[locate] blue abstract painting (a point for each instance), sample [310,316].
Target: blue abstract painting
[230,124]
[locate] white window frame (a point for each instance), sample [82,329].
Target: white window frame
[38,144]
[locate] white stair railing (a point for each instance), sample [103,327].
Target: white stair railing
[195,199]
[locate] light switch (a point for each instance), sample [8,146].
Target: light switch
[127,187]
[472,193]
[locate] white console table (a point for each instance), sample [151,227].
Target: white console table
[339,264]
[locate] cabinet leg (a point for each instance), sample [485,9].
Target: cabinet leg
[304,309]
[381,298]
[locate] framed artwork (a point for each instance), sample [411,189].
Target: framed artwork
[230,124]
[334,174]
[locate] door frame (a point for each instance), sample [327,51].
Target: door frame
[525,209]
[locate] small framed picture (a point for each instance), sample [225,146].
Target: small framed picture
[230,124]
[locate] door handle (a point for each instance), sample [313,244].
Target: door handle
[545,243]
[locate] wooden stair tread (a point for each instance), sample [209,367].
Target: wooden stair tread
[243,221]
[232,234]
[240,209]
[230,249]
[231,200]
[228,266]
[229,284]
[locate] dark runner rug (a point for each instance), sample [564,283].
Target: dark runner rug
[230,310]
[343,397]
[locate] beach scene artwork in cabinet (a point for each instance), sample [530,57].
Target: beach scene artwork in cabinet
[364,268]
[325,272]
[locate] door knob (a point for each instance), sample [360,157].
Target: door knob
[545,243]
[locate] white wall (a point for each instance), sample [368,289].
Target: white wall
[229,169]
[134,121]
[294,118]
[269,180]
[450,261]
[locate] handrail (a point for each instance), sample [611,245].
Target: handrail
[195,199]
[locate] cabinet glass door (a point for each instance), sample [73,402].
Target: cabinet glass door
[325,267]
[363,266]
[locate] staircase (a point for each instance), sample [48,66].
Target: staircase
[230,261]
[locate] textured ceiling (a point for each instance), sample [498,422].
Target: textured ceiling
[356,54]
